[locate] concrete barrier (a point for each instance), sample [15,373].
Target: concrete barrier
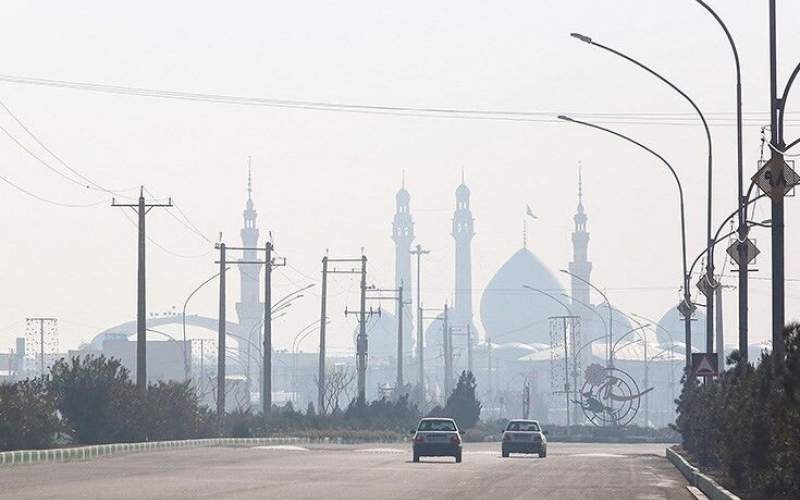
[708,486]
[19,457]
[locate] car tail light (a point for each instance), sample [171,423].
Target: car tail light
[455,439]
[419,438]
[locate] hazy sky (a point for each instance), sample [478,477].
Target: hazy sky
[327,180]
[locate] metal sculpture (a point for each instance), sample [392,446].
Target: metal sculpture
[609,396]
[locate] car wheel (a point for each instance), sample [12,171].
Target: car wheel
[416,458]
[543,454]
[505,454]
[458,458]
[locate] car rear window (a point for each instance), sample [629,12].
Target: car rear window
[437,425]
[524,426]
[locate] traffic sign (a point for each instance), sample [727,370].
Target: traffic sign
[705,285]
[686,309]
[776,181]
[751,251]
[704,364]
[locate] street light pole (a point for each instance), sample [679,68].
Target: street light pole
[742,201]
[709,243]
[609,342]
[688,307]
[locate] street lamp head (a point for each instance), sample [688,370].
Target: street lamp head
[582,38]
[565,118]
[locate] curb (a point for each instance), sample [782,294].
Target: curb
[19,457]
[708,486]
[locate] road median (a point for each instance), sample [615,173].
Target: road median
[708,486]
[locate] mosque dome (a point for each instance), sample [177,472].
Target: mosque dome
[510,313]
[671,329]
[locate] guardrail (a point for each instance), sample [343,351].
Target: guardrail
[708,486]
[101,450]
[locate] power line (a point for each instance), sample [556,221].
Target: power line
[47,200]
[410,111]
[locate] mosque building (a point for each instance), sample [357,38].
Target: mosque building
[515,341]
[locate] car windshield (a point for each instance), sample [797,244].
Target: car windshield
[523,426]
[437,425]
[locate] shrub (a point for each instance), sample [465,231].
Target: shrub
[97,400]
[748,422]
[28,416]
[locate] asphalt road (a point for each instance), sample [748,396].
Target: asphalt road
[579,471]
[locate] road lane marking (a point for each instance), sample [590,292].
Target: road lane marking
[597,455]
[280,447]
[380,450]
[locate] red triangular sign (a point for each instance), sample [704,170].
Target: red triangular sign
[704,368]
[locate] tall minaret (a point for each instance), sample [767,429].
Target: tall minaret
[463,231]
[249,309]
[403,235]
[580,264]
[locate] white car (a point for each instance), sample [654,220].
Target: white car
[524,436]
[437,437]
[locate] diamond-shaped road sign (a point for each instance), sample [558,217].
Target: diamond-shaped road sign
[704,364]
[705,286]
[776,181]
[686,309]
[751,251]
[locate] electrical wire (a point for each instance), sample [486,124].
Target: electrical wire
[47,200]
[638,118]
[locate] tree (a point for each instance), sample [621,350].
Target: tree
[97,400]
[461,404]
[28,416]
[337,385]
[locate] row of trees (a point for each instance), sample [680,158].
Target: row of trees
[91,400]
[747,423]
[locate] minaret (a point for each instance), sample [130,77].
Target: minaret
[249,309]
[580,264]
[403,235]
[463,231]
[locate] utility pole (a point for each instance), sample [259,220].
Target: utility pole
[526,400]
[323,319]
[322,322]
[489,360]
[566,364]
[447,351]
[398,297]
[266,365]
[141,208]
[469,348]
[221,332]
[419,252]
[266,380]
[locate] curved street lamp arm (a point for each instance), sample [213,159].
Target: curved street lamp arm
[593,310]
[784,97]
[614,348]
[665,162]
[721,238]
[185,304]
[710,262]
[588,344]
[792,144]
[569,311]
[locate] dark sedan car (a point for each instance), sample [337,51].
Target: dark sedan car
[437,437]
[524,436]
